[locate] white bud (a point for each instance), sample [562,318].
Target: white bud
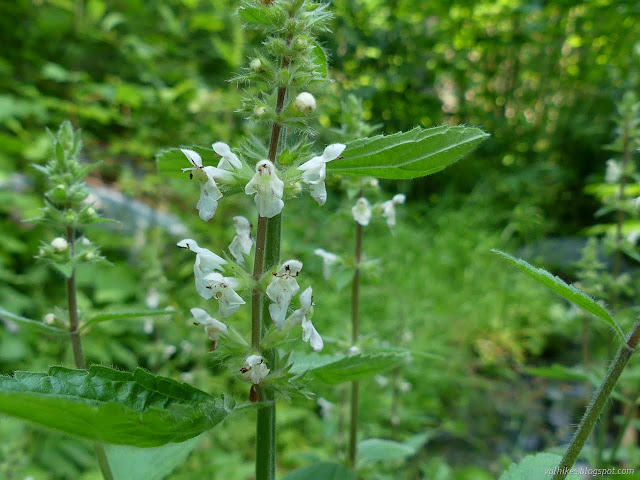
[353,350]
[86,242]
[169,351]
[89,256]
[256,65]
[91,212]
[59,244]
[49,319]
[305,102]
[259,111]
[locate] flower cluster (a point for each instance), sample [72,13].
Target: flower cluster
[266,185]
[362,210]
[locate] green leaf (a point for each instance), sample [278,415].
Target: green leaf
[379,450]
[131,463]
[411,154]
[172,161]
[334,369]
[321,59]
[32,324]
[111,406]
[322,471]
[533,467]
[255,14]
[558,372]
[569,292]
[105,317]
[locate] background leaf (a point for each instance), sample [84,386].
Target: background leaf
[533,467]
[105,317]
[111,406]
[322,471]
[411,154]
[374,450]
[569,292]
[334,369]
[32,324]
[131,463]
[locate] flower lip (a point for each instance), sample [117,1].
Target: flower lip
[227,155]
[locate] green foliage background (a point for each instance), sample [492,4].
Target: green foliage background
[138,76]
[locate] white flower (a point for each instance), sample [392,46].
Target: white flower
[153,298]
[328,259]
[633,237]
[148,326]
[613,173]
[59,244]
[361,211]
[254,369]
[206,262]
[229,160]
[353,350]
[302,316]
[282,289]
[305,102]
[209,191]
[315,171]
[49,319]
[214,328]
[169,351]
[326,407]
[223,291]
[389,208]
[241,243]
[268,189]
[381,380]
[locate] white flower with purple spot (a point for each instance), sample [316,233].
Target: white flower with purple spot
[315,171]
[206,263]
[282,289]
[267,188]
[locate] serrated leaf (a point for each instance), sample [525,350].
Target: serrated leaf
[131,463]
[411,154]
[335,369]
[105,317]
[111,406]
[322,471]
[534,467]
[32,324]
[569,292]
[380,450]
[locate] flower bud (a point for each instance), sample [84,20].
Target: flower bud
[259,111]
[59,194]
[59,244]
[70,217]
[305,102]
[256,65]
[49,319]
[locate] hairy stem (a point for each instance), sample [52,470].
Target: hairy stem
[76,343]
[598,403]
[355,335]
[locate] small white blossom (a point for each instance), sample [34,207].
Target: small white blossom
[302,316]
[49,319]
[381,380]
[326,407]
[282,289]
[353,350]
[209,191]
[361,211]
[186,377]
[214,328]
[255,65]
[633,237]
[315,171]
[405,386]
[186,347]
[153,298]
[59,244]
[241,243]
[254,369]
[148,326]
[328,259]
[86,242]
[613,172]
[169,351]
[223,289]
[267,188]
[206,263]
[305,102]
[389,208]
[259,111]
[229,160]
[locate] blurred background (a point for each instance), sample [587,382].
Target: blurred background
[543,77]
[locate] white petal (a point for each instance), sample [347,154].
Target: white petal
[201,316]
[333,151]
[208,203]
[361,211]
[399,198]
[227,155]
[201,282]
[290,268]
[241,225]
[311,335]
[221,174]
[319,193]
[268,205]
[193,157]
[189,244]
[306,299]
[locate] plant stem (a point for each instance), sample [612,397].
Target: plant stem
[76,343]
[355,335]
[598,403]
[631,408]
[267,256]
